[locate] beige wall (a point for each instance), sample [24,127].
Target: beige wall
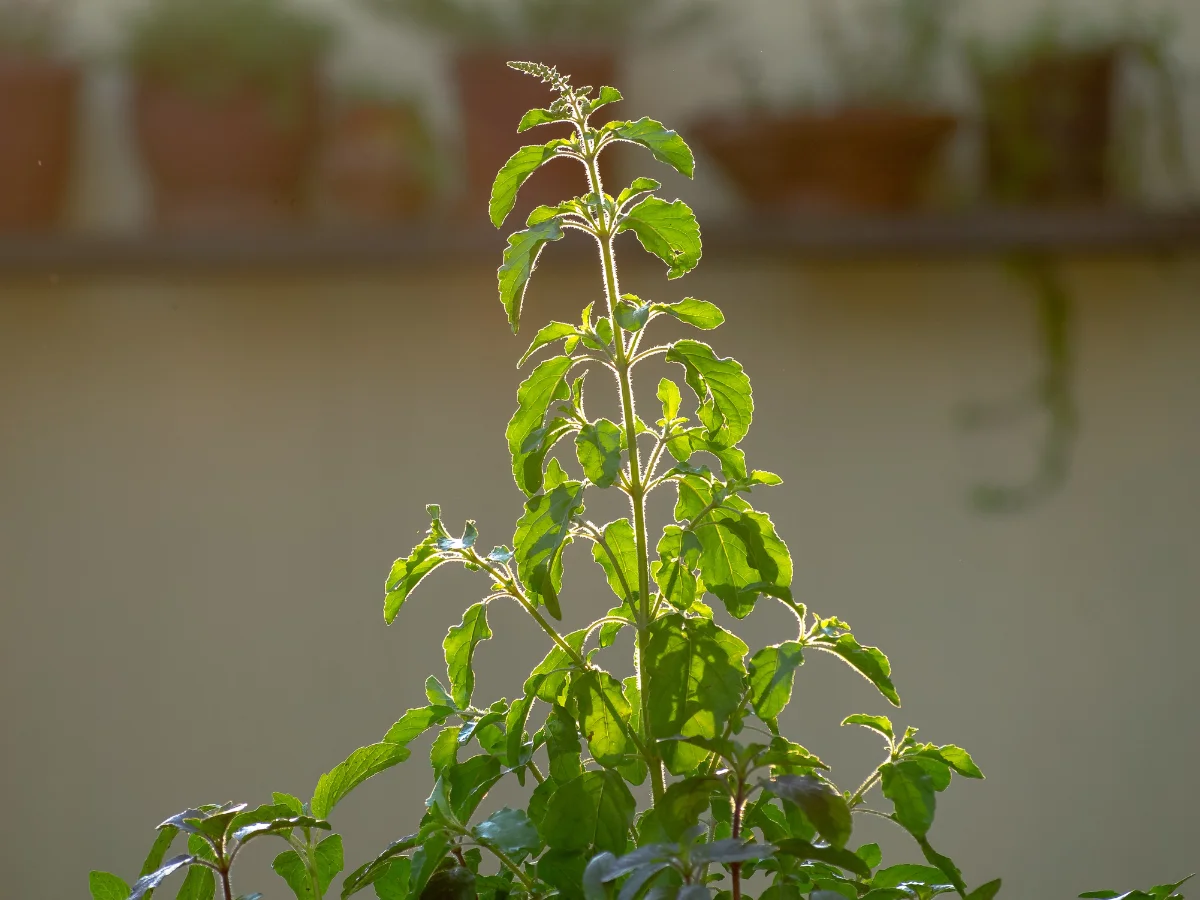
[204,480]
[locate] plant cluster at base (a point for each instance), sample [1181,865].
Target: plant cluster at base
[694,721]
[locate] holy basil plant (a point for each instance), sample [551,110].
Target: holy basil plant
[691,723]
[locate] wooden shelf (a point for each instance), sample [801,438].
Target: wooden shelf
[975,233]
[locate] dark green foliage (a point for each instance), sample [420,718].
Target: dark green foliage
[696,717]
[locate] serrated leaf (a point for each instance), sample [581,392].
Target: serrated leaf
[622,574]
[684,802]
[509,829]
[694,673]
[545,385]
[880,724]
[593,810]
[555,331]
[679,554]
[416,722]
[598,447]
[360,765]
[369,872]
[407,572]
[639,186]
[700,313]
[666,145]
[513,174]
[835,856]
[459,646]
[772,673]
[742,558]
[520,259]
[868,661]
[721,382]
[330,860]
[542,533]
[945,865]
[607,95]
[107,886]
[821,803]
[602,710]
[198,884]
[960,760]
[912,792]
[292,803]
[562,745]
[468,783]
[392,883]
[667,230]
[152,880]
[536,117]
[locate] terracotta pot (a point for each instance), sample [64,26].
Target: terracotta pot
[1048,128]
[239,159]
[857,160]
[493,98]
[376,164]
[37,129]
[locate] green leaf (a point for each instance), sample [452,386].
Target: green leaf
[720,382]
[450,883]
[520,259]
[469,782]
[152,880]
[510,830]
[907,873]
[598,446]
[562,745]
[358,767]
[684,802]
[870,854]
[393,881]
[679,554]
[868,661]
[666,145]
[945,865]
[639,186]
[198,884]
[911,790]
[459,645]
[667,230]
[416,722]
[622,574]
[700,313]
[536,117]
[563,869]
[426,859]
[330,860]
[596,695]
[835,856]
[293,804]
[607,95]
[668,395]
[407,572]
[985,891]
[881,724]
[960,760]
[630,316]
[527,438]
[821,803]
[555,331]
[694,675]
[107,886]
[158,852]
[593,810]
[512,175]
[772,673]
[542,533]
[742,558]
[374,870]
[437,694]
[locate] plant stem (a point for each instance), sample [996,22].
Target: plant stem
[506,861]
[735,869]
[226,886]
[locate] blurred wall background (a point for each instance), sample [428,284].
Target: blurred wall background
[204,478]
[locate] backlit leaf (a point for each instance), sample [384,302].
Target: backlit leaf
[700,313]
[666,145]
[107,886]
[510,830]
[602,710]
[360,765]
[512,175]
[520,259]
[593,810]
[772,672]
[542,533]
[407,572]
[667,230]
[911,790]
[722,381]
[820,801]
[459,645]
[545,385]
[598,446]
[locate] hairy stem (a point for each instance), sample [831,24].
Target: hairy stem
[735,869]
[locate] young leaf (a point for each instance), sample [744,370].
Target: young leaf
[821,803]
[772,673]
[512,175]
[598,446]
[358,767]
[666,145]
[407,572]
[721,380]
[603,710]
[621,573]
[631,316]
[667,230]
[536,117]
[526,437]
[330,860]
[593,810]
[881,724]
[700,313]
[835,856]
[911,790]
[679,554]
[416,722]
[541,535]
[960,760]
[555,331]
[459,645]
[683,804]
[520,259]
[607,95]
[510,830]
[107,886]
[668,395]
[694,676]
[639,186]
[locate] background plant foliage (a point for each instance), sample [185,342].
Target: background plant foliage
[695,727]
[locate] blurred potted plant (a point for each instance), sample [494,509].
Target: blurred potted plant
[871,144]
[577,36]
[1050,108]
[377,164]
[38,91]
[226,107]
